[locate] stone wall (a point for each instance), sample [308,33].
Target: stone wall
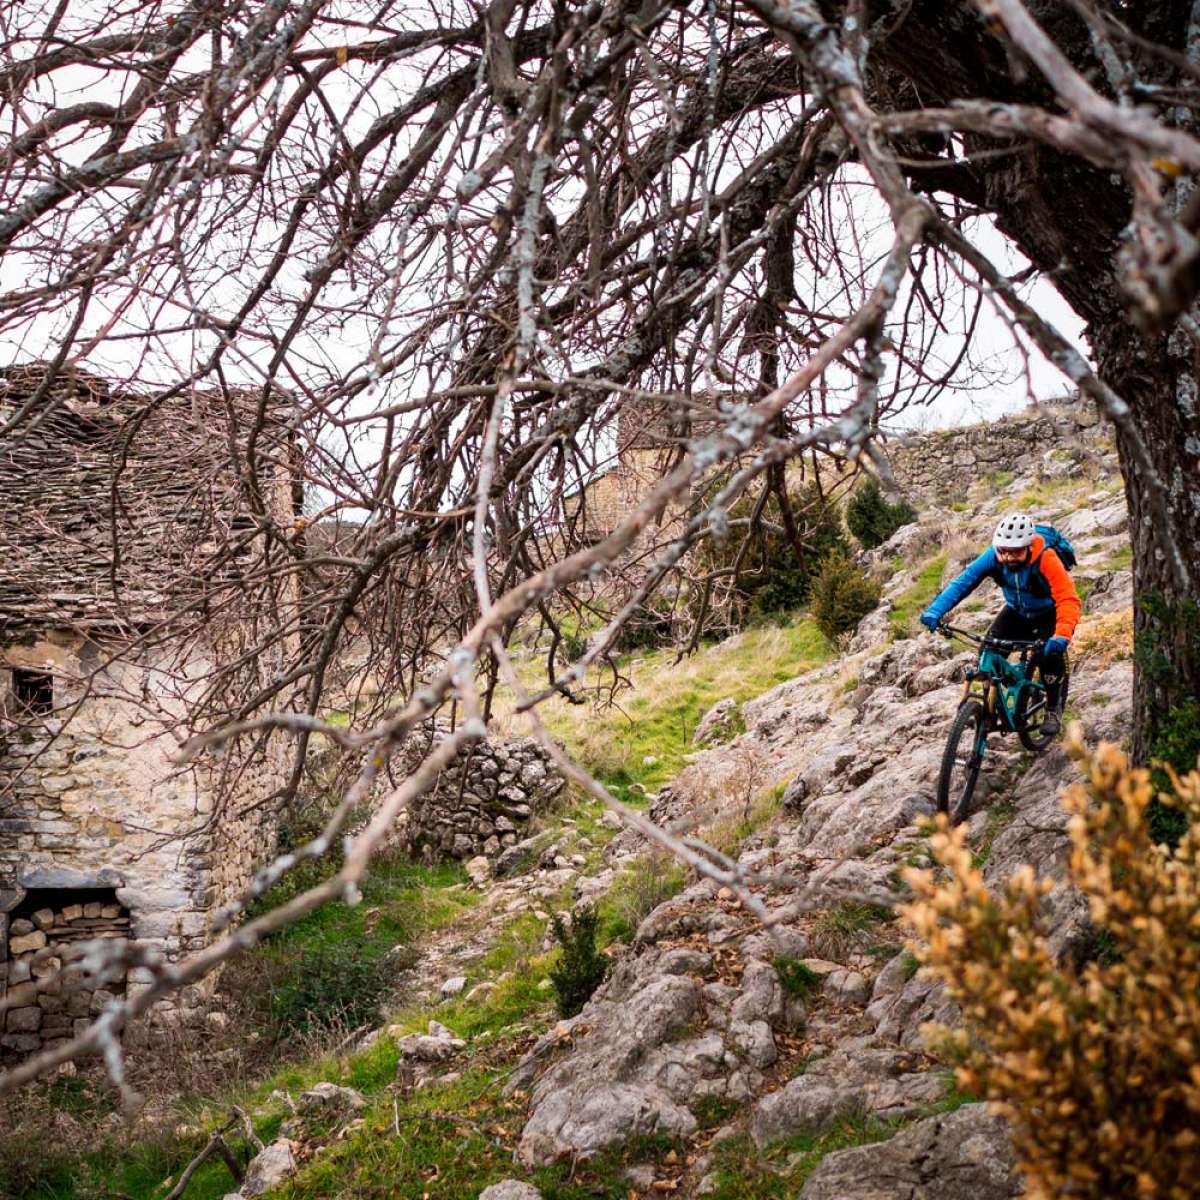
[1041,442]
[47,1008]
[482,803]
[97,801]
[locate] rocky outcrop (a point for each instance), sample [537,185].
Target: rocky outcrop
[707,1003]
[482,803]
[510,1189]
[963,1155]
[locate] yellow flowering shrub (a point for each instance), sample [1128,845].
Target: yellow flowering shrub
[1096,1065]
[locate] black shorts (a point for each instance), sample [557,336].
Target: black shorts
[1011,626]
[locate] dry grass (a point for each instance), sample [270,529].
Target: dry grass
[1104,639]
[642,738]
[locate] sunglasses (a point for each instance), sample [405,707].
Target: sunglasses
[1011,555]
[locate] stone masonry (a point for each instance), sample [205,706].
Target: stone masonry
[1048,441]
[96,812]
[483,802]
[48,1005]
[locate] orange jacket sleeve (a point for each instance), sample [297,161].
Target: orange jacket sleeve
[1062,587]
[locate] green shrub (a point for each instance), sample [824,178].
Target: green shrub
[842,594]
[796,978]
[773,574]
[572,647]
[789,575]
[581,968]
[326,986]
[872,519]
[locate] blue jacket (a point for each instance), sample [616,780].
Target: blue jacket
[1034,588]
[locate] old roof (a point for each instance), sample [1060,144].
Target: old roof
[116,505]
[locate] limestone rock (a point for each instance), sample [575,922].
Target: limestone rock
[510,1189]
[963,1155]
[717,724]
[805,1105]
[453,986]
[479,869]
[429,1049]
[269,1168]
[579,1121]
[847,987]
[331,1097]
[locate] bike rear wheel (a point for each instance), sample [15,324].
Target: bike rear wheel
[961,761]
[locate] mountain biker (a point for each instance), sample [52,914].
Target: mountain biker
[1040,601]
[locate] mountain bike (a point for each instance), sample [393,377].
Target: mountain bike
[999,696]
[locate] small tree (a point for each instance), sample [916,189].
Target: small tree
[872,519]
[1096,1064]
[787,572]
[581,968]
[842,594]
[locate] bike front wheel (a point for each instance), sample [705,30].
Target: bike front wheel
[961,761]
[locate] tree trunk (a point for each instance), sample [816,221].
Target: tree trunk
[1161,387]
[1067,218]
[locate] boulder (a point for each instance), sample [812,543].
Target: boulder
[805,1105]
[269,1168]
[963,1155]
[429,1049]
[453,986]
[479,869]
[510,1189]
[578,1121]
[330,1097]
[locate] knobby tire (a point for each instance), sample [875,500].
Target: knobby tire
[960,744]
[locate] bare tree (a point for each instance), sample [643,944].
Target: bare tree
[481,249]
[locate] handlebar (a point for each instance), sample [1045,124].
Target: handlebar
[1002,644]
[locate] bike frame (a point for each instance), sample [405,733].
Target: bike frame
[1001,681]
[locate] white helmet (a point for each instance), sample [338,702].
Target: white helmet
[1014,533]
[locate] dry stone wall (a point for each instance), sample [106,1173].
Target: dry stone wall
[45,1007]
[1042,442]
[483,802]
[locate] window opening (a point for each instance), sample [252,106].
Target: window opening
[34,691]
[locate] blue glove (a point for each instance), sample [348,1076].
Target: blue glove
[1057,645]
[930,621]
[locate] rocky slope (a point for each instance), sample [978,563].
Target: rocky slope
[703,1004]
[733,1041]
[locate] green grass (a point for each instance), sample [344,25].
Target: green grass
[796,978]
[304,973]
[1122,560]
[840,928]
[642,741]
[744,1173]
[454,1140]
[1049,494]
[640,888]
[1000,814]
[401,901]
[915,599]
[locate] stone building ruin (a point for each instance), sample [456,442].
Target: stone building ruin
[118,603]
